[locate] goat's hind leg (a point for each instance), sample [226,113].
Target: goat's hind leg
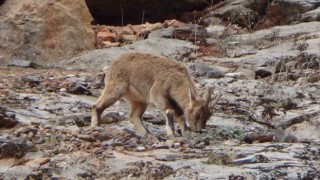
[136,112]
[111,93]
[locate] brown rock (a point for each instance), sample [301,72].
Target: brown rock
[86,137]
[130,37]
[137,29]
[26,130]
[258,137]
[313,78]
[107,36]
[7,122]
[152,27]
[173,22]
[39,161]
[41,30]
[125,31]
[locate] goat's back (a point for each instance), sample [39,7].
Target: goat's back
[146,68]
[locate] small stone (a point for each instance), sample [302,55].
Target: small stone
[160,145]
[234,75]
[262,73]
[74,130]
[39,161]
[105,144]
[216,31]
[31,134]
[166,157]
[131,143]
[107,36]
[32,79]
[86,137]
[24,131]
[246,160]
[218,159]
[103,136]
[2,86]
[63,90]
[140,149]
[215,74]
[78,88]
[202,68]
[95,92]
[177,145]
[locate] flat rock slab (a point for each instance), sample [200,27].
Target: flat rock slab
[97,59]
[22,63]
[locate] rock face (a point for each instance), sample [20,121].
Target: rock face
[135,11]
[253,14]
[44,30]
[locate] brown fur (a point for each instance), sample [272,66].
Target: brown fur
[143,78]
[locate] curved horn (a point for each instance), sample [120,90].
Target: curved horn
[191,95]
[207,95]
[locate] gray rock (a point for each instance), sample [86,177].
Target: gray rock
[167,157]
[281,136]
[7,119]
[78,88]
[251,159]
[162,33]
[202,68]
[176,145]
[191,32]
[103,136]
[32,79]
[215,74]
[22,63]
[234,75]
[140,149]
[313,15]
[215,31]
[14,147]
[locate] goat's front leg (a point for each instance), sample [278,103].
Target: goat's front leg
[169,113]
[182,124]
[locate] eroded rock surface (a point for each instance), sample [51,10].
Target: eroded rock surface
[265,125]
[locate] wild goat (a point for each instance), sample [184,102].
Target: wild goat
[144,79]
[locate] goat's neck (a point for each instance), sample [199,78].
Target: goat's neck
[182,97]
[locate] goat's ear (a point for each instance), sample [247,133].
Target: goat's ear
[191,95]
[207,95]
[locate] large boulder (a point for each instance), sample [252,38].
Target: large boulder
[97,59]
[44,30]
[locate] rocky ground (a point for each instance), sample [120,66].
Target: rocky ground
[265,126]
